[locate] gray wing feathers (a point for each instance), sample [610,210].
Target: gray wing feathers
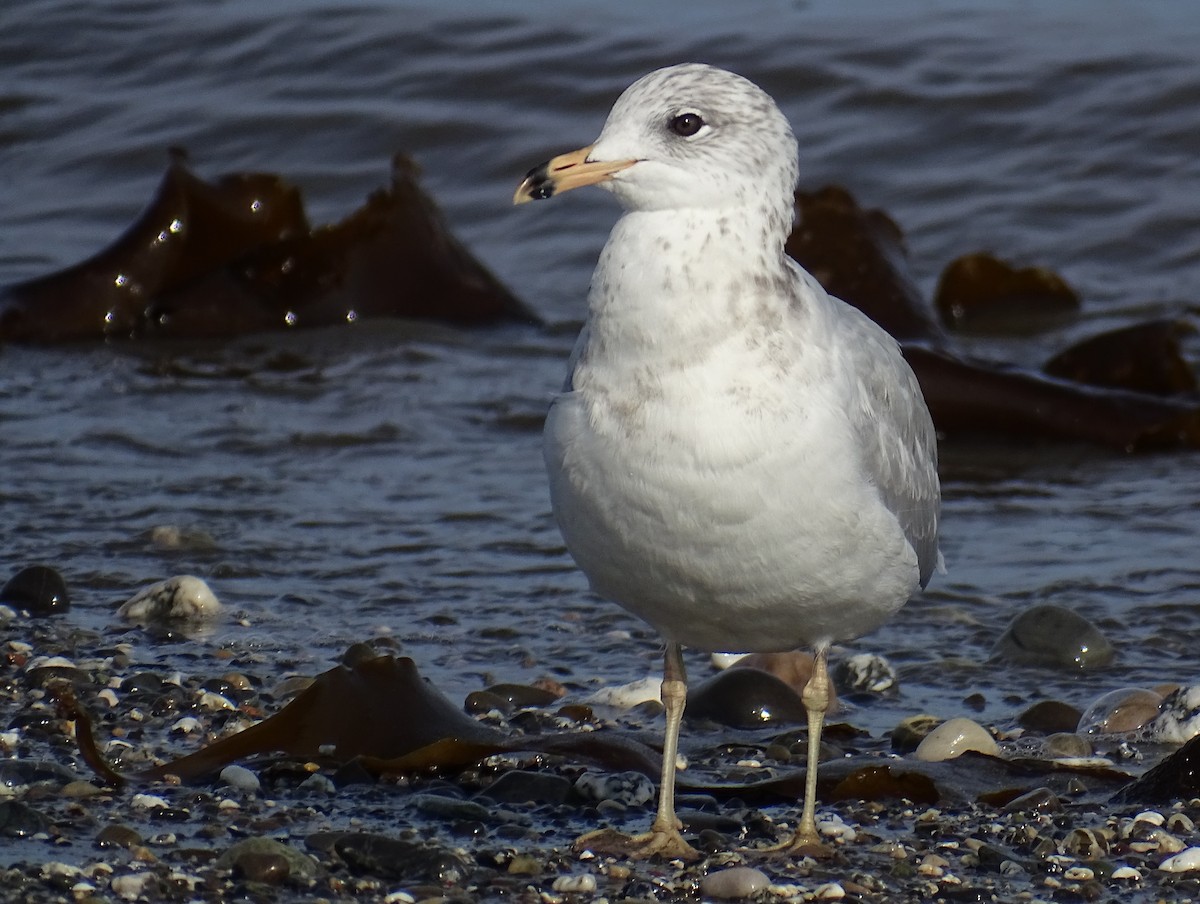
[897,437]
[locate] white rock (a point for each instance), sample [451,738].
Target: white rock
[830,891]
[631,789]
[1126,872]
[1178,719]
[181,598]
[107,696]
[1183,862]
[584,883]
[56,869]
[735,882]
[955,737]
[130,887]
[187,725]
[241,778]
[723,661]
[149,802]
[833,826]
[214,702]
[625,696]
[50,662]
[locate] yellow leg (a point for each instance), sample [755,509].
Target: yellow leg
[816,697]
[816,704]
[663,839]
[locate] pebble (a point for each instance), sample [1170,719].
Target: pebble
[130,887]
[631,789]
[955,737]
[1183,862]
[394,858]
[912,730]
[830,891]
[1178,717]
[627,696]
[865,672]
[38,590]
[744,697]
[241,778]
[117,835]
[180,598]
[149,801]
[1123,710]
[1049,717]
[257,854]
[1067,745]
[1051,635]
[19,820]
[519,787]
[581,884]
[735,882]
[441,806]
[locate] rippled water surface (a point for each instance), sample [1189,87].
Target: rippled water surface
[388,479]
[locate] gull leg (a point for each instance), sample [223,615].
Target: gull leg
[663,839]
[816,704]
[816,697]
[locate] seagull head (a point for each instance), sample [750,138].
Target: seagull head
[684,137]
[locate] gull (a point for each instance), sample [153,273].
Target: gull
[736,457]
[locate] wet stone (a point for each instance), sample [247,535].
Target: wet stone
[629,789]
[271,869]
[38,590]
[1178,718]
[393,858]
[1049,716]
[47,675]
[19,820]
[1039,800]
[15,773]
[865,672]
[1054,636]
[254,854]
[912,730]
[745,698]
[1175,778]
[1123,710]
[735,882]
[117,836]
[180,598]
[519,786]
[1065,745]
[442,807]
[479,703]
[522,695]
[955,737]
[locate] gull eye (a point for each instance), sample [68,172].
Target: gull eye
[685,125]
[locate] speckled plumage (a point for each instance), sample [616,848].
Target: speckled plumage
[740,460]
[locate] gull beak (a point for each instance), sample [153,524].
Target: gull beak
[565,172]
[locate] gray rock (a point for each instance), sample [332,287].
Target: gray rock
[1054,636]
[735,882]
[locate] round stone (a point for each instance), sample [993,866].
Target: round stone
[955,737]
[1054,636]
[735,882]
[38,590]
[1123,710]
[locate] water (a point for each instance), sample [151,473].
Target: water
[388,480]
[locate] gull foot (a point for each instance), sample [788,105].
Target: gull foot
[799,845]
[666,843]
